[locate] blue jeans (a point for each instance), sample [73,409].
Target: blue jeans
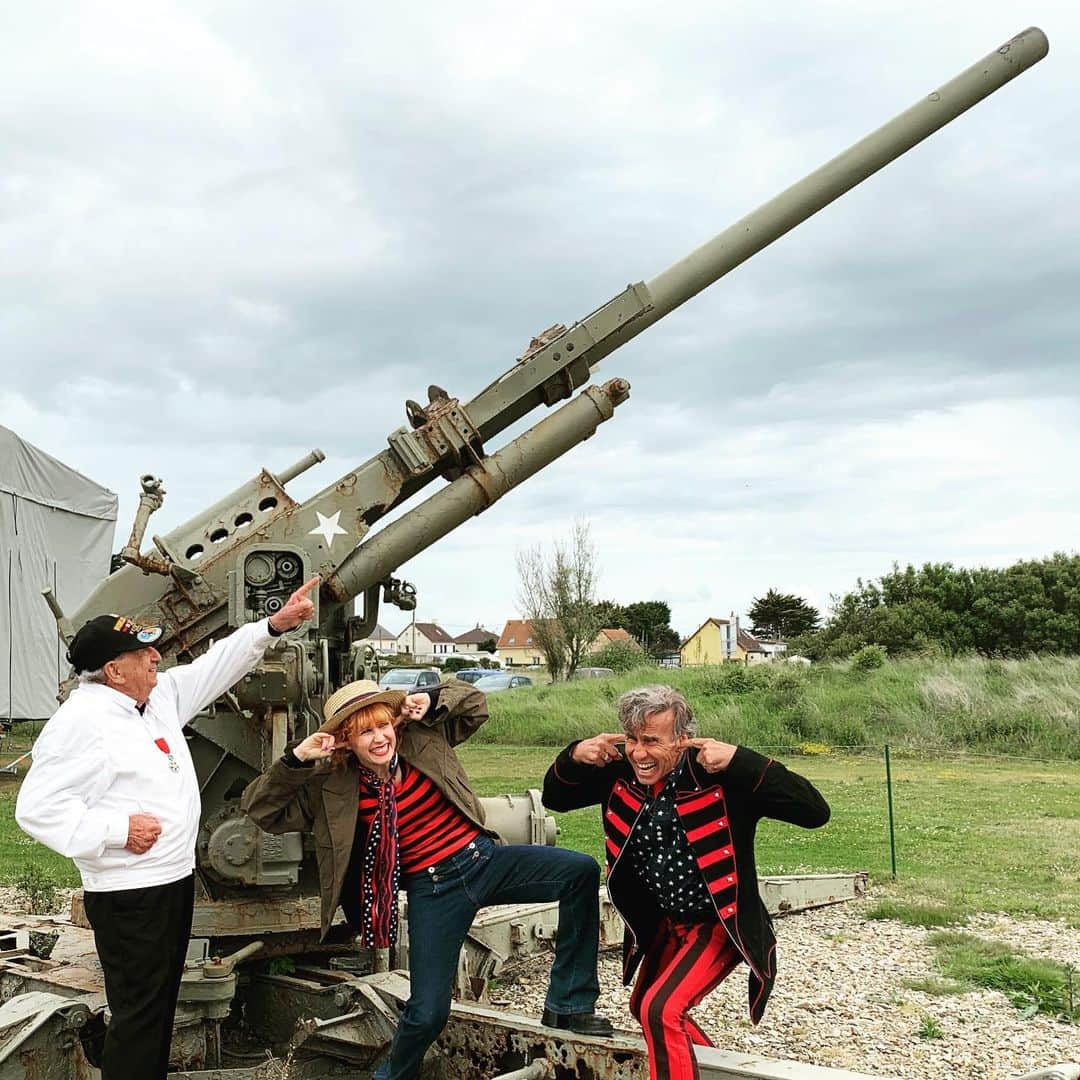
[444,900]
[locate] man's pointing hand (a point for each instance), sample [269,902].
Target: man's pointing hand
[297,609]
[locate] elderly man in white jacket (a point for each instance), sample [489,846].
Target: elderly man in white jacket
[114,788]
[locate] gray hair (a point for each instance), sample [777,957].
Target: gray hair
[98,676]
[636,706]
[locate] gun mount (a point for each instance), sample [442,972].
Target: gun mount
[240,558]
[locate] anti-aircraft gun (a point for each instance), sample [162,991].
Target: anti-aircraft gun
[240,558]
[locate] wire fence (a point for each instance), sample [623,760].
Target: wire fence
[887,754]
[812,748]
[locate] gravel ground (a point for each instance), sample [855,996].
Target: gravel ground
[839,1000]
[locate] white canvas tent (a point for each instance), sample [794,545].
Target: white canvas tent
[56,529]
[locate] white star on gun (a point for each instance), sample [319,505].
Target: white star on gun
[328,528]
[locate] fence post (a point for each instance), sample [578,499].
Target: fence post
[892,825]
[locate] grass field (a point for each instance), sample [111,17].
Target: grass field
[974,835]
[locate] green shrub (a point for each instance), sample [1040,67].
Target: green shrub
[617,655]
[731,678]
[37,889]
[786,687]
[868,658]
[930,1029]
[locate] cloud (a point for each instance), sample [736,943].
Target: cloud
[232,233]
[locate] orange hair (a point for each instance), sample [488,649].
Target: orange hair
[362,720]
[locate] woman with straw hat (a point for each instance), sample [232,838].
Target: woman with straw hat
[390,805]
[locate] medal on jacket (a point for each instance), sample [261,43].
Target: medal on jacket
[163,746]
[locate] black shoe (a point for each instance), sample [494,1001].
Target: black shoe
[589,1023]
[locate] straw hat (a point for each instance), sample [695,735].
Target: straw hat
[353,696]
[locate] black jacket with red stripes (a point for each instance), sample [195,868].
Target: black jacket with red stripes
[719,812]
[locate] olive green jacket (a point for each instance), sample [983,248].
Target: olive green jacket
[323,801]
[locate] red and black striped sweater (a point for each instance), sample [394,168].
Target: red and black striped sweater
[719,812]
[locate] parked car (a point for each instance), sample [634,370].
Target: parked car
[409,679]
[592,673]
[471,674]
[492,684]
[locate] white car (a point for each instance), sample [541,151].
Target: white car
[492,684]
[409,679]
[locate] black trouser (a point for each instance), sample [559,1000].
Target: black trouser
[141,937]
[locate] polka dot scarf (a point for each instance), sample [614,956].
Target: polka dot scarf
[379,879]
[664,860]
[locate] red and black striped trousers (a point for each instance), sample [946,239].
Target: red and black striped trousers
[684,962]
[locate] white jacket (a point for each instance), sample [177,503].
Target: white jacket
[96,762]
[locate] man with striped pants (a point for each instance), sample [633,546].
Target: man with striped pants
[679,817]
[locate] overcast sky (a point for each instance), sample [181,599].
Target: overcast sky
[231,232]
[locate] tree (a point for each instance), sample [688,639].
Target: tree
[782,616]
[647,621]
[1029,607]
[488,645]
[558,595]
[611,615]
[650,622]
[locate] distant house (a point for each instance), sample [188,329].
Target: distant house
[721,641]
[748,650]
[774,650]
[471,640]
[381,639]
[609,636]
[517,645]
[425,641]
[713,642]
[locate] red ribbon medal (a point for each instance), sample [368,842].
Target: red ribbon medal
[163,746]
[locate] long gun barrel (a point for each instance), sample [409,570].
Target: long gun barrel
[805,198]
[585,344]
